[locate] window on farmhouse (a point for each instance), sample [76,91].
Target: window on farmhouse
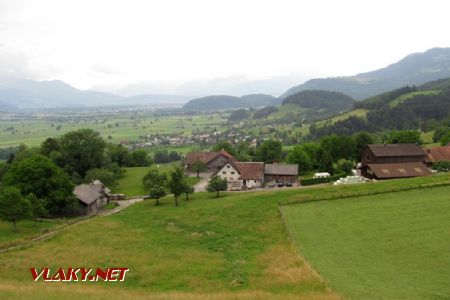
[224,172]
[232,173]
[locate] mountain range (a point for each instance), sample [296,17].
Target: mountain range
[414,69]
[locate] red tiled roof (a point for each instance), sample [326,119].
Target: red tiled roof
[206,157]
[437,154]
[399,170]
[396,150]
[250,170]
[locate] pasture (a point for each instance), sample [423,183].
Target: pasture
[234,247]
[386,246]
[131,184]
[33,130]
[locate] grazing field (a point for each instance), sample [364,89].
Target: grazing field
[131,184]
[25,229]
[234,247]
[386,246]
[33,130]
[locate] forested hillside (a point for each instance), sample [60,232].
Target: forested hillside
[425,108]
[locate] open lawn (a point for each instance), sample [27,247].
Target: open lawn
[131,184]
[234,247]
[25,229]
[387,246]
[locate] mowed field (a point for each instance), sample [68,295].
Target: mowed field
[387,246]
[131,184]
[234,247]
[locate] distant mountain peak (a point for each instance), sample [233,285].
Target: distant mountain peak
[414,69]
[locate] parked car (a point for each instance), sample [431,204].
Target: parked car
[280,184]
[288,184]
[270,184]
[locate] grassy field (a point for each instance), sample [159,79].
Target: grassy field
[25,229]
[388,246]
[131,183]
[411,95]
[32,131]
[234,247]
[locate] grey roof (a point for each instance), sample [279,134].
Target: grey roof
[281,169]
[396,150]
[87,193]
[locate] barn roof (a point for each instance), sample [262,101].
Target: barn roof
[281,169]
[250,170]
[87,193]
[396,150]
[399,170]
[206,157]
[437,154]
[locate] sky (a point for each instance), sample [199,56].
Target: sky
[114,43]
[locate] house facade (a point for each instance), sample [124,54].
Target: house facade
[242,175]
[387,161]
[214,161]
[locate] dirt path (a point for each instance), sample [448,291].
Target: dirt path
[45,236]
[203,183]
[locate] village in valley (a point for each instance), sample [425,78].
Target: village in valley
[224,150]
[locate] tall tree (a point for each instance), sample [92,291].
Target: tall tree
[224,145]
[217,184]
[362,139]
[198,166]
[269,151]
[40,176]
[82,150]
[13,206]
[38,209]
[176,184]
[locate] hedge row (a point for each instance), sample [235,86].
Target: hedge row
[311,181]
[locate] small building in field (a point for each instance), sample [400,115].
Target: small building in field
[242,175]
[437,154]
[214,161]
[91,197]
[281,173]
[387,161]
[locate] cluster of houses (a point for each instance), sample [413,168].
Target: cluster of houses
[388,161]
[378,161]
[198,138]
[243,175]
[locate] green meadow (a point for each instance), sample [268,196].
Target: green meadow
[386,246]
[131,184]
[32,131]
[237,246]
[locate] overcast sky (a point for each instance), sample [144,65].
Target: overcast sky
[100,42]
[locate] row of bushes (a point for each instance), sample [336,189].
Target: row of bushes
[311,181]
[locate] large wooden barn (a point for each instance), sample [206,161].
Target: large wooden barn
[386,161]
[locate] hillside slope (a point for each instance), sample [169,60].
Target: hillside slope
[219,102]
[414,69]
[404,108]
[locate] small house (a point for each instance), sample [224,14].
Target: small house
[91,197]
